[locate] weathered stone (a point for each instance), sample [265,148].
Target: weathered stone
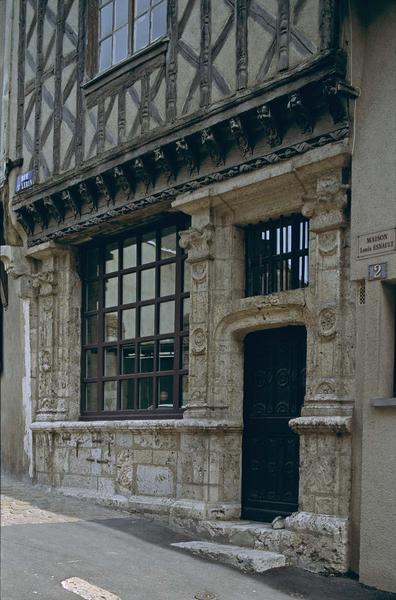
[249,561]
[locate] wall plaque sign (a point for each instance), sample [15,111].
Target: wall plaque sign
[378,271]
[381,242]
[24,181]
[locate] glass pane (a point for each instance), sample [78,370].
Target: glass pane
[184,352]
[184,390]
[141,33]
[146,393]
[111,327]
[167,317]
[91,330]
[186,313]
[91,396]
[111,257]
[110,395]
[148,248]
[111,291]
[129,253]
[147,320]
[105,54]
[91,363]
[147,284]
[110,362]
[127,394]
[128,360]
[91,295]
[129,288]
[92,263]
[165,391]
[120,13]
[106,20]
[128,323]
[166,355]
[187,276]
[146,357]
[141,6]
[158,21]
[168,242]
[120,44]
[168,280]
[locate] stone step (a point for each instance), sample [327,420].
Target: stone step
[250,534]
[244,559]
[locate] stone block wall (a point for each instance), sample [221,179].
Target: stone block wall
[137,463]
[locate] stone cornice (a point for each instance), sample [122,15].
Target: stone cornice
[185,425]
[321,424]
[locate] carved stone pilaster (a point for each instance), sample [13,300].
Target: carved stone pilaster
[56,333]
[330,381]
[198,242]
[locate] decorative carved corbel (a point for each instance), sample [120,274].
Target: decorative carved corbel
[241,136]
[335,101]
[55,208]
[26,220]
[104,189]
[38,214]
[270,125]
[71,200]
[163,164]
[212,145]
[87,196]
[301,113]
[122,180]
[185,150]
[143,173]
[198,242]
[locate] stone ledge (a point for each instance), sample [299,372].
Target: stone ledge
[182,425]
[337,425]
[317,524]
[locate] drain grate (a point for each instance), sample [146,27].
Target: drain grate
[204,596]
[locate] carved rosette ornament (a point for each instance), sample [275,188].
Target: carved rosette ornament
[327,322]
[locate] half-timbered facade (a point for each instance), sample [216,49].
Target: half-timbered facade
[178,218]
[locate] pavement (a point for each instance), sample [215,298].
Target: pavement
[54,547]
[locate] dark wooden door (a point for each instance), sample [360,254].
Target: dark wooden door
[274,393]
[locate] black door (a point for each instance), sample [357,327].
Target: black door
[274,393]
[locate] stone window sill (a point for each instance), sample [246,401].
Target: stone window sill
[136,60]
[138,425]
[383,402]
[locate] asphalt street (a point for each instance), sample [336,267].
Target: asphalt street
[47,539]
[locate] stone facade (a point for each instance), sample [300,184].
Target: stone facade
[248,140]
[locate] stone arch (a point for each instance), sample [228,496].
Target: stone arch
[227,364]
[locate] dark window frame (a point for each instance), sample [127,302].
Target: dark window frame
[265,267]
[179,334]
[93,37]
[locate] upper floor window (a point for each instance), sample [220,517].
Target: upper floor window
[126,26]
[135,323]
[277,256]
